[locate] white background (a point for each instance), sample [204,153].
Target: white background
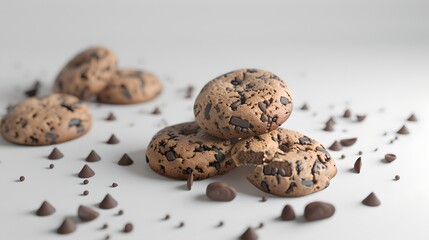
[365,55]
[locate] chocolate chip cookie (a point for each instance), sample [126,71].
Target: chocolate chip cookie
[87,73]
[53,119]
[243,103]
[289,164]
[179,150]
[130,86]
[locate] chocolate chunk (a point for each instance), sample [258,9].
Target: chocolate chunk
[304,140]
[113,139]
[336,146]
[86,172]
[108,202]
[360,118]
[190,181]
[307,183]
[236,121]
[412,118]
[249,234]
[318,210]
[284,100]
[86,214]
[371,200]
[156,111]
[74,122]
[55,154]
[262,105]
[304,107]
[22,179]
[288,213]
[51,166]
[111,117]
[68,226]
[403,130]
[219,191]
[358,165]
[276,168]
[45,209]
[170,155]
[32,92]
[390,157]
[114,185]
[284,148]
[51,136]
[348,142]
[397,177]
[125,160]
[128,227]
[329,127]
[265,186]
[347,113]
[93,157]
[207,111]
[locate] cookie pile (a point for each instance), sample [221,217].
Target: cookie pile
[237,120]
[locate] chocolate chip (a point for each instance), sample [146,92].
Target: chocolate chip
[156,111]
[86,214]
[120,212]
[85,193]
[249,234]
[336,146]
[55,154]
[287,213]
[22,179]
[412,118]
[358,165]
[265,187]
[318,210]
[371,200]
[52,137]
[348,142]
[128,227]
[219,191]
[403,130]
[343,156]
[85,182]
[108,202]
[284,100]
[284,148]
[111,117]
[262,105]
[113,139]
[114,184]
[93,157]
[170,155]
[68,226]
[125,160]
[167,216]
[347,113]
[360,153]
[207,111]
[189,92]
[304,140]
[261,225]
[390,157]
[32,92]
[76,123]
[220,224]
[181,225]
[45,209]
[328,128]
[236,121]
[190,181]
[307,183]
[397,177]
[360,118]
[105,226]
[304,107]
[86,172]
[51,166]
[263,199]
[276,168]
[331,121]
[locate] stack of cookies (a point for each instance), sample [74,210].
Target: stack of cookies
[238,116]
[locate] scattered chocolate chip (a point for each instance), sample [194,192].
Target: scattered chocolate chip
[156,111]
[111,117]
[114,184]
[32,92]
[190,181]
[113,139]
[51,166]
[347,113]
[329,127]
[181,225]
[331,121]
[219,191]
[412,118]
[120,212]
[304,107]
[371,200]
[125,160]
[86,172]
[392,141]
[360,153]
[105,226]
[85,193]
[263,199]
[390,157]
[22,178]
[220,224]
[336,146]
[343,156]
[287,213]
[397,177]
[189,92]
[167,216]
[128,227]
[93,157]
[358,165]
[68,226]
[249,234]
[261,225]
[403,130]
[86,214]
[360,118]
[107,237]
[86,181]
[375,149]
[348,142]
[45,209]
[55,154]
[318,210]
[108,202]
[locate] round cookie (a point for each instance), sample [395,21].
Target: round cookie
[130,86]
[53,119]
[179,150]
[87,73]
[243,103]
[289,164]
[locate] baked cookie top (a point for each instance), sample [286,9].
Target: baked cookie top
[179,150]
[243,103]
[53,119]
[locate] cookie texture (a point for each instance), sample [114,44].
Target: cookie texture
[87,73]
[243,103]
[130,86]
[53,119]
[179,150]
[289,164]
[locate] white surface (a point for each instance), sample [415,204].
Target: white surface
[365,55]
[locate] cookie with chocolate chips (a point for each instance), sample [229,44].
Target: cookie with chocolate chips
[53,119]
[243,103]
[179,150]
[87,73]
[130,86]
[288,163]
